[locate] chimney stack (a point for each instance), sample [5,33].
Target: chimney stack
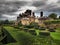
[41,14]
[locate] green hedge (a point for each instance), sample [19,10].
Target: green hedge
[52,22]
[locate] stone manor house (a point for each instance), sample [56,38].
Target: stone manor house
[28,17]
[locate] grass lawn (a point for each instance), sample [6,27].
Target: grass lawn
[57,29]
[13,33]
[55,35]
[17,35]
[25,38]
[37,32]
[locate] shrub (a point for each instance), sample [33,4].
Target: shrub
[44,34]
[21,28]
[26,29]
[32,32]
[16,27]
[19,24]
[35,25]
[52,22]
[28,26]
[42,28]
[32,25]
[51,30]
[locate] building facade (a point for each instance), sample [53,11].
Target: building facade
[28,17]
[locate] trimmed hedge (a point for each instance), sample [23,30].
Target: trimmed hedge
[44,34]
[51,30]
[25,29]
[32,32]
[52,22]
[42,28]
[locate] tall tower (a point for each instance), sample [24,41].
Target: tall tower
[33,14]
[41,14]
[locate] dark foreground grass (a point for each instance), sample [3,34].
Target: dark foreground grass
[25,38]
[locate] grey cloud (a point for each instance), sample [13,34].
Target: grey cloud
[50,6]
[2,17]
[54,10]
[9,7]
[44,6]
[38,3]
[58,1]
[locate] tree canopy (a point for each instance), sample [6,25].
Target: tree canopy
[53,15]
[59,17]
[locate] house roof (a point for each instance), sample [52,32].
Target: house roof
[44,18]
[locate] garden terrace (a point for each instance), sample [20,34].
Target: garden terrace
[3,35]
[26,38]
[52,22]
[51,30]
[32,31]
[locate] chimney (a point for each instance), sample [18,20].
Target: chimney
[41,14]
[28,12]
[33,14]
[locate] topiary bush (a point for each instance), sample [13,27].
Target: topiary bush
[20,24]
[35,25]
[28,26]
[42,28]
[32,32]
[16,27]
[25,29]
[44,34]
[52,22]
[51,30]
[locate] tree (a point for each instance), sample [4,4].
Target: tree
[1,23]
[6,22]
[59,17]
[20,24]
[53,15]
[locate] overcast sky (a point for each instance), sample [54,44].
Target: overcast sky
[9,9]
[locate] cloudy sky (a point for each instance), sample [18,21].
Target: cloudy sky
[10,9]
